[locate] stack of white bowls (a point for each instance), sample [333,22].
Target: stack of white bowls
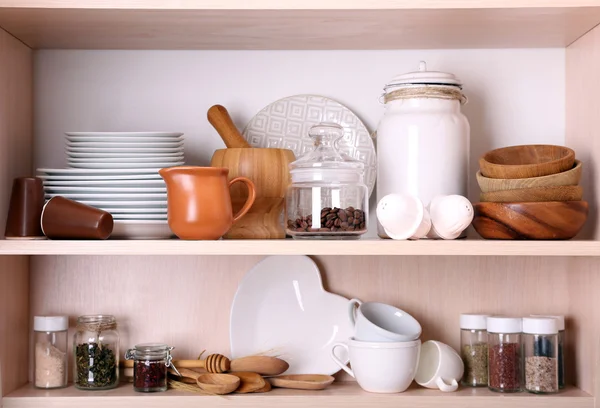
[118,173]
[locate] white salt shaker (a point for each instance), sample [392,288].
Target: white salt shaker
[50,351]
[423,137]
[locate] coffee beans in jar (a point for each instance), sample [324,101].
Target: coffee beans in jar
[333,221]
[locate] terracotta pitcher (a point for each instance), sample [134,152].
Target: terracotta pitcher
[199,201]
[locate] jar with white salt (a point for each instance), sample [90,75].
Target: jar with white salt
[50,351]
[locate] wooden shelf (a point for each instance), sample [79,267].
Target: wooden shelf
[338,395]
[297,24]
[467,247]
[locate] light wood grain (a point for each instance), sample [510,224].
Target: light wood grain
[377,27]
[537,194]
[566,178]
[582,120]
[338,395]
[517,162]
[219,118]
[16,101]
[369,247]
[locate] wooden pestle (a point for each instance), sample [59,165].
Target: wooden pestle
[217,363]
[221,121]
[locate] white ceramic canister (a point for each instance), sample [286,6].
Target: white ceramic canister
[423,138]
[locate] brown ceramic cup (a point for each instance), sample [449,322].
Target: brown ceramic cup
[25,209]
[67,219]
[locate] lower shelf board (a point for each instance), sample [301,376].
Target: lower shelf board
[342,394]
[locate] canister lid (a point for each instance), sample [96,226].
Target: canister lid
[559,318]
[540,325]
[422,76]
[473,321]
[504,324]
[50,323]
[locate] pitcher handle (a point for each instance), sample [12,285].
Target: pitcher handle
[352,309]
[251,196]
[337,360]
[444,386]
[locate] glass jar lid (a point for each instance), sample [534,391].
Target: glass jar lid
[326,160]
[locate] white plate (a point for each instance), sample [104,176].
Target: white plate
[72,151]
[124,155]
[99,190]
[285,123]
[111,196]
[121,166]
[281,308]
[116,145]
[135,211]
[103,183]
[127,160]
[129,173]
[125,134]
[103,141]
[158,217]
[143,229]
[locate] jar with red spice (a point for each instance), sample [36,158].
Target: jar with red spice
[150,364]
[505,355]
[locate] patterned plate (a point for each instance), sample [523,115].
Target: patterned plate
[284,124]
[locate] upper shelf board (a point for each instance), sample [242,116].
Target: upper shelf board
[297,24]
[363,247]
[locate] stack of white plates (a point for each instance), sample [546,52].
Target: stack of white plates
[118,173]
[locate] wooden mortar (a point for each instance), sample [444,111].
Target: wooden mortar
[269,170]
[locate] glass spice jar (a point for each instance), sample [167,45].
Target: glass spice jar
[504,354]
[96,352]
[50,351]
[540,344]
[474,349]
[328,198]
[150,365]
[561,348]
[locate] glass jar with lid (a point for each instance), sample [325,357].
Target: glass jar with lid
[96,353]
[505,356]
[328,198]
[540,345]
[150,365]
[474,349]
[561,348]
[50,351]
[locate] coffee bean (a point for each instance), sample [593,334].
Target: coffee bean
[344,225]
[313,230]
[335,219]
[329,223]
[350,209]
[337,222]
[331,216]
[323,229]
[342,215]
[350,220]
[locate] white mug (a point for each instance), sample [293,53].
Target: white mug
[378,322]
[440,367]
[381,367]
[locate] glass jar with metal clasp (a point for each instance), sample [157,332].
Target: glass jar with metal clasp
[151,362]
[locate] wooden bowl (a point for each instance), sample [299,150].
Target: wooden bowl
[526,161]
[537,194]
[269,171]
[545,220]
[566,178]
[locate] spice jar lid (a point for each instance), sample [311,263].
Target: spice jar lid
[503,324]
[560,319]
[423,77]
[50,323]
[473,321]
[540,325]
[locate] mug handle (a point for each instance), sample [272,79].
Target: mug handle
[352,309]
[337,360]
[453,386]
[251,196]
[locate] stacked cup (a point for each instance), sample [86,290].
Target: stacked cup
[386,354]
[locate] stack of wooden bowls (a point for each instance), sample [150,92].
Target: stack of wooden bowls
[530,192]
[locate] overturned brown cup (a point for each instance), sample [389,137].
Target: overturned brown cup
[25,209]
[67,219]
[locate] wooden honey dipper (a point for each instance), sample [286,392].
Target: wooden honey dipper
[217,363]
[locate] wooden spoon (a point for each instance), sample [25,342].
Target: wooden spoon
[221,121]
[302,381]
[219,384]
[263,365]
[249,382]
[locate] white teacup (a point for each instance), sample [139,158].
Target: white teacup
[440,367]
[378,322]
[381,367]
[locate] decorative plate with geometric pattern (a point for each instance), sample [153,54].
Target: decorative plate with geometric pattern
[284,124]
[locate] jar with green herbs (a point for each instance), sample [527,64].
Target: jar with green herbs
[474,349]
[96,353]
